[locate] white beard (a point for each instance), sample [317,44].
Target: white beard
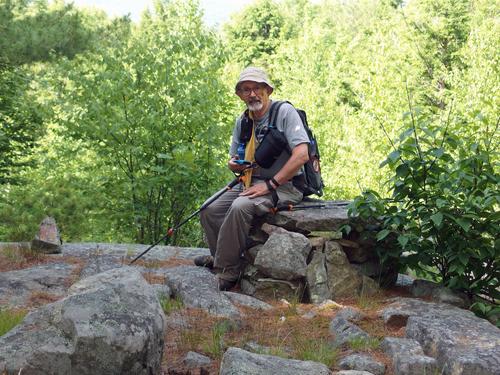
[255,107]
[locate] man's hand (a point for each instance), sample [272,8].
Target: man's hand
[255,191]
[299,156]
[235,167]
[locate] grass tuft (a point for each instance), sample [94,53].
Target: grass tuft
[215,346]
[190,339]
[308,349]
[362,343]
[278,352]
[370,302]
[170,304]
[293,306]
[18,256]
[9,319]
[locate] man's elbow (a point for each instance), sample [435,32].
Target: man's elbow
[304,158]
[303,153]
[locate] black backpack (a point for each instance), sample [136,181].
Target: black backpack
[310,182]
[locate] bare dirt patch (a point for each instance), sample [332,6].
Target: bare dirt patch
[41,298]
[18,258]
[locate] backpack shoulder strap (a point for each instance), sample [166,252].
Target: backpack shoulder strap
[246,126]
[273,114]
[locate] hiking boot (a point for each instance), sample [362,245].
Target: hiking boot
[204,261]
[226,284]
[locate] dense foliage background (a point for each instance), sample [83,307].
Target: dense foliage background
[119,130]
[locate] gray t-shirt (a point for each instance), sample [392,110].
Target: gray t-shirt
[288,122]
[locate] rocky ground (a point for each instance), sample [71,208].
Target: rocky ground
[72,297]
[309,302]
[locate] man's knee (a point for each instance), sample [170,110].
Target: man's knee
[216,208]
[243,205]
[207,212]
[203,218]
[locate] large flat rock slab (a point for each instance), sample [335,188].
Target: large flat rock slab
[462,343]
[329,218]
[97,263]
[129,251]
[247,301]
[197,287]
[19,286]
[110,323]
[238,361]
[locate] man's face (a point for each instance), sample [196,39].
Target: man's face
[255,95]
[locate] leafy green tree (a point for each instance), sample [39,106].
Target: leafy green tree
[152,107]
[20,124]
[255,33]
[32,31]
[475,86]
[79,214]
[438,31]
[71,183]
[36,30]
[347,66]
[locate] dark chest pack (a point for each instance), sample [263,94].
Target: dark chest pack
[274,142]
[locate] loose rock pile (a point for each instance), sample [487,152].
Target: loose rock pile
[301,254]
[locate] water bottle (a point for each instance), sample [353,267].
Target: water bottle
[241,151]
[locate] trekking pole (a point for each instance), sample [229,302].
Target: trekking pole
[172,230]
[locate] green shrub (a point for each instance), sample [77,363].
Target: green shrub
[442,219]
[487,311]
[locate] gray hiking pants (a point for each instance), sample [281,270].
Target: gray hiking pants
[227,222]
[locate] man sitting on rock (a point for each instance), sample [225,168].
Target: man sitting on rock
[227,221]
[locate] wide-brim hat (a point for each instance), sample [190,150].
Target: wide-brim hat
[255,75]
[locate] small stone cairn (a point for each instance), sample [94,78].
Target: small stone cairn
[303,255]
[48,239]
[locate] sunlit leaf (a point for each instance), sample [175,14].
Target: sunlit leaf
[437,218]
[393,156]
[382,234]
[403,240]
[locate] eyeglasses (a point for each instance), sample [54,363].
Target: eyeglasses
[246,91]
